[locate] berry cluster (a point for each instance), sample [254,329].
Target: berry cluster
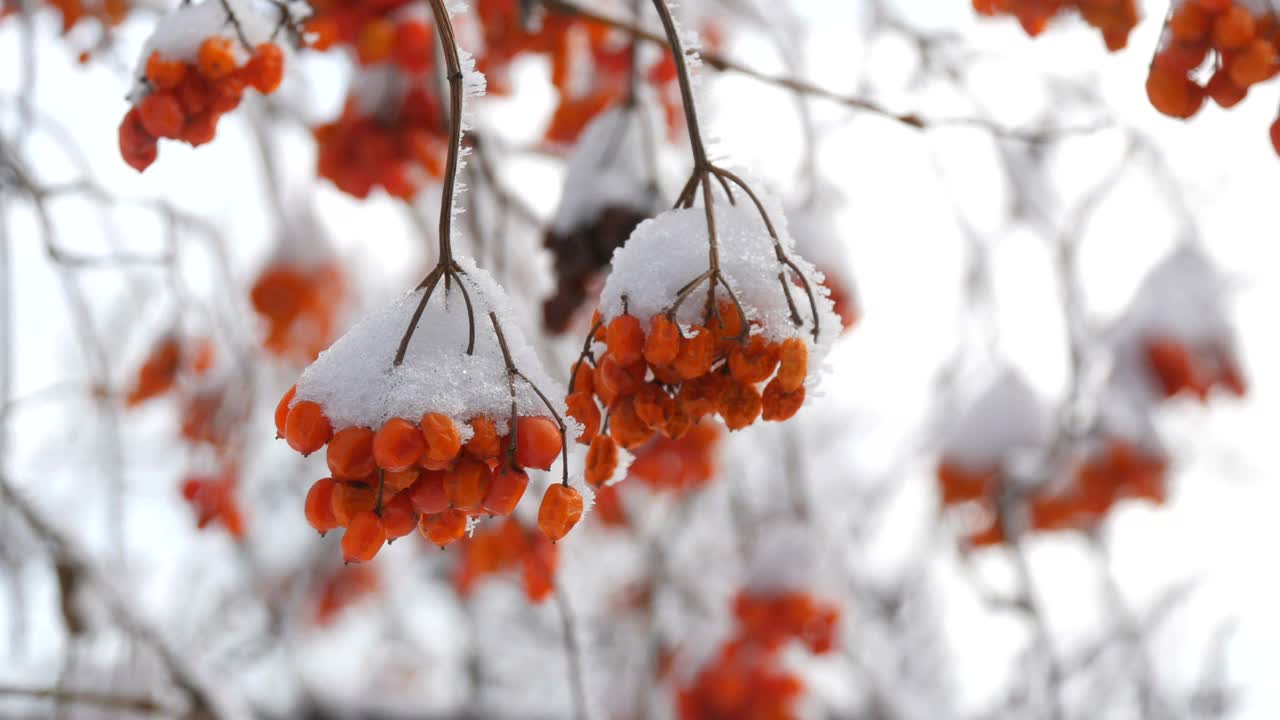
[1177,368]
[1113,18]
[384,483]
[678,465]
[747,678]
[375,31]
[214,499]
[342,588]
[185,100]
[1118,469]
[300,304]
[167,359]
[398,147]
[1243,45]
[666,379]
[503,547]
[109,13]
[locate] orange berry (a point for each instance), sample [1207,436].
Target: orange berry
[624,336]
[467,484]
[484,443]
[216,58]
[319,506]
[505,491]
[560,510]
[398,516]
[696,354]
[428,494]
[165,74]
[1223,90]
[602,460]
[793,364]
[618,379]
[700,396]
[350,453]
[1214,7]
[538,442]
[603,390]
[739,405]
[754,361]
[265,70]
[350,498]
[1253,64]
[663,342]
[376,41]
[777,404]
[161,115]
[1233,28]
[398,445]
[413,46]
[728,323]
[443,528]
[1190,22]
[137,146]
[443,440]
[582,407]
[393,481]
[653,405]
[626,428]
[583,380]
[306,428]
[364,537]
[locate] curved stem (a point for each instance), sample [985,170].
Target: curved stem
[449,44]
[686,87]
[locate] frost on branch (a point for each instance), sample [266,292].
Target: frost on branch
[356,383]
[610,187]
[666,252]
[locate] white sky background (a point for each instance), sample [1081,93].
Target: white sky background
[905,251]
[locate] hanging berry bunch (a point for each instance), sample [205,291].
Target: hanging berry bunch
[300,293]
[379,31]
[747,678]
[391,135]
[610,187]
[735,340]
[170,357]
[1113,18]
[435,433]
[1238,40]
[195,68]
[507,546]
[1175,337]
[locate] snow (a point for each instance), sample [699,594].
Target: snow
[666,252]
[356,382]
[1003,420]
[611,166]
[1180,298]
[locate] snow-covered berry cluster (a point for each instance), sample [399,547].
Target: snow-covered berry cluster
[195,68]
[656,364]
